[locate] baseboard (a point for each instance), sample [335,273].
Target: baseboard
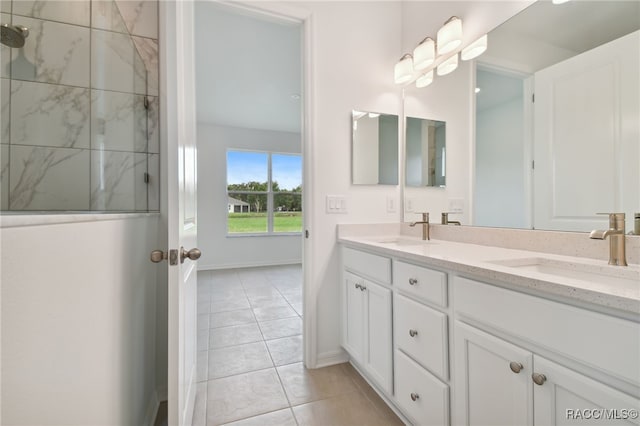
[152,410]
[326,359]
[248,265]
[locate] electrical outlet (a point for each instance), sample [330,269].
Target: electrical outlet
[409,205]
[336,204]
[391,205]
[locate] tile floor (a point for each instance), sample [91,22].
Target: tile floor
[250,369]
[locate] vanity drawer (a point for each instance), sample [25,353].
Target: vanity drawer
[421,332]
[425,284]
[367,264]
[421,396]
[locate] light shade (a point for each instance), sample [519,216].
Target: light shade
[475,49]
[424,80]
[448,66]
[403,71]
[450,35]
[559,1]
[424,54]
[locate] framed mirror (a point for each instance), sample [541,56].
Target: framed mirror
[554,95]
[425,147]
[374,153]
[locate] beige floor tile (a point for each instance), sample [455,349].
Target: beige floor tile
[234,335]
[200,408]
[226,319]
[266,314]
[275,418]
[303,385]
[268,301]
[244,395]
[202,366]
[240,302]
[203,321]
[286,350]
[285,327]
[238,359]
[203,340]
[346,410]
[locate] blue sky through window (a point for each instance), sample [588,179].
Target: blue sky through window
[252,166]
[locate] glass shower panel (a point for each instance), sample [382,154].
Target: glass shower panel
[79,122]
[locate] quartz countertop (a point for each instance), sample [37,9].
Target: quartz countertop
[600,286]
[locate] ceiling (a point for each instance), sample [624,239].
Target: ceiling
[248,69]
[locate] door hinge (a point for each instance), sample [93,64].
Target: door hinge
[533,164]
[533,98]
[146,102]
[306,233]
[146,177]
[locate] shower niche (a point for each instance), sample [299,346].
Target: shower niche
[80,106]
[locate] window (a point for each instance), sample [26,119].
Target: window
[264,193]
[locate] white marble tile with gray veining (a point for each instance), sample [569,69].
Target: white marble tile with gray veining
[48,178]
[5,97]
[153,188]
[105,15]
[49,115]
[148,51]
[113,176]
[53,53]
[5,6]
[4,177]
[5,51]
[116,64]
[75,12]
[118,121]
[153,125]
[140,16]
[140,186]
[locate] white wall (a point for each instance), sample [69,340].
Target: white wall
[79,323]
[219,250]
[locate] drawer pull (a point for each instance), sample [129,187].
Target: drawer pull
[414,396]
[413,281]
[538,378]
[516,367]
[413,333]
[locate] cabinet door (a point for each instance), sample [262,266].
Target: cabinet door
[354,310]
[570,398]
[379,349]
[489,391]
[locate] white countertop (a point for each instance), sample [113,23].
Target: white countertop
[479,261]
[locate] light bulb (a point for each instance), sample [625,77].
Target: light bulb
[403,71]
[424,54]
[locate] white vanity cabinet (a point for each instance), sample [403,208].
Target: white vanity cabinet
[367,315]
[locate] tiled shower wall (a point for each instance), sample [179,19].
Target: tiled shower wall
[79,121]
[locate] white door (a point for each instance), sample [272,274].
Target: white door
[181,154]
[586,152]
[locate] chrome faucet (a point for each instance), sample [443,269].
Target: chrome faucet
[445,219]
[617,249]
[425,226]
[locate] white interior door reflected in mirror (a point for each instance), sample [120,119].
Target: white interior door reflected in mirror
[374,148]
[426,156]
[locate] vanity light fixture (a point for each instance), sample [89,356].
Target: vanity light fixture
[559,1]
[424,54]
[475,49]
[448,66]
[450,36]
[424,80]
[403,71]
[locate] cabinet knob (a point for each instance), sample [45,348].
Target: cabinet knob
[413,281]
[516,367]
[363,288]
[538,378]
[414,396]
[358,286]
[413,333]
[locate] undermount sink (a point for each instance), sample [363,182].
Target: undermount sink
[401,241]
[614,275]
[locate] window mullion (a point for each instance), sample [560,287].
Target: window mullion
[269,197]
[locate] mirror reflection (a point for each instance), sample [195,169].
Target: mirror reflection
[554,142]
[374,158]
[425,143]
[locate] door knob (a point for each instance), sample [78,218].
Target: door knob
[193,254]
[158,256]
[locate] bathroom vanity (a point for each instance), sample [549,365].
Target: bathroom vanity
[456,333]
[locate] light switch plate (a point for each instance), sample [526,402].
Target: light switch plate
[409,205]
[456,205]
[391,205]
[336,204]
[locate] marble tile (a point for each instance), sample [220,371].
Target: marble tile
[140,16]
[5,51]
[239,359]
[226,294]
[204,308]
[153,188]
[48,178]
[275,418]
[75,12]
[49,115]
[277,312]
[303,385]
[53,53]
[115,63]
[140,186]
[200,406]
[351,409]
[285,327]
[5,7]
[267,301]
[148,50]
[4,177]
[203,321]
[202,366]
[5,95]
[118,121]
[244,395]
[113,180]
[226,319]
[203,340]
[105,15]
[234,335]
[153,125]
[240,302]
[287,350]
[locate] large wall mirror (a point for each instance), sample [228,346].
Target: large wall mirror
[374,156]
[557,127]
[425,147]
